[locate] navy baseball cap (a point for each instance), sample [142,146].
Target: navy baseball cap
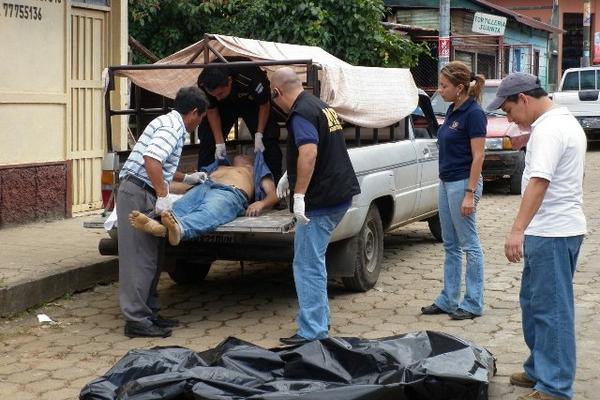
[515,83]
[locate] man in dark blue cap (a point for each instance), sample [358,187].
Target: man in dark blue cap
[547,233]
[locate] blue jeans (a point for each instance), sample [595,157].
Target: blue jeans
[548,312]
[460,236]
[310,274]
[207,206]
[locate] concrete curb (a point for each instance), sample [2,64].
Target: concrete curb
[29,293]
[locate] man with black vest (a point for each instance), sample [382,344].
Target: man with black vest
[322,180]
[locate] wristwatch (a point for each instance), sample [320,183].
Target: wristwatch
[469,190]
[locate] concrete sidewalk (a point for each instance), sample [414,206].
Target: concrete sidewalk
[43,261]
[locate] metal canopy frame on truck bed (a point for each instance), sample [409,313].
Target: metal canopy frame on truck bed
[312,81]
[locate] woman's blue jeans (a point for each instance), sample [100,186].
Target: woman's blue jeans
[207,206]
[548,312]
[460,236]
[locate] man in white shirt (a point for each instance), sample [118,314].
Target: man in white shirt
[547,233]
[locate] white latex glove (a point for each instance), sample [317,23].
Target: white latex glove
[299,209]
[258,143]
[195,178]
[220,151]
[164,203]
[283,186]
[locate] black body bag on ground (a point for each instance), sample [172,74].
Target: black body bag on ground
[416,366]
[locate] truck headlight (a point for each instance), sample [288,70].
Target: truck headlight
[493,144]
[503,143]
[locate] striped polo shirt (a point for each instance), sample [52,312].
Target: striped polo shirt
[162,140]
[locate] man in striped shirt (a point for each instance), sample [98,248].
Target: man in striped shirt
[144,186]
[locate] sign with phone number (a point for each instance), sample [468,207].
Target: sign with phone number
[23,11]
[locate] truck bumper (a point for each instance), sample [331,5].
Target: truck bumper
[591,126]
[501,164]
[593,135]
[340,254]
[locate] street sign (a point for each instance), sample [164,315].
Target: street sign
[444,47]
[443,51]
[488,24]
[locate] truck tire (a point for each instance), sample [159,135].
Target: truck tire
[435,227]
[514,186]
[369,254]
[189,273]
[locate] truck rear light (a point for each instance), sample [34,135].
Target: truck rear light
[107,185]
[108,178]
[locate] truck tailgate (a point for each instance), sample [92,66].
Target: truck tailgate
[274,221]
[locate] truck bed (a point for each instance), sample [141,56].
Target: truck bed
[273,221]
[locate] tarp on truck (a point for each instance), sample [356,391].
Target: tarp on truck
[365,96]
[416,366]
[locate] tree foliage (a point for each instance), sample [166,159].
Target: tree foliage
[348,29]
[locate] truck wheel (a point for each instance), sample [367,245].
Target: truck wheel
[189,273]
[369,254]
[515,180]
[435,227]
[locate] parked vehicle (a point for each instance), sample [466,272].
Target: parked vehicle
[505,143]
[579,91]
[398,174]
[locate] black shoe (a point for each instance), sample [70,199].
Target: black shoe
[294,340]
[432,310]
[462,314]
[136,329]
[165,322]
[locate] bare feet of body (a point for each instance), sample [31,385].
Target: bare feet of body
[173,228]
[144,223]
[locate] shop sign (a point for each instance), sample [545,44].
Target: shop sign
[488,24]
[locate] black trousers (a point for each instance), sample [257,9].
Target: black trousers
[249,113]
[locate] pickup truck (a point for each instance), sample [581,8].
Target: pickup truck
[579,91]
[397,168]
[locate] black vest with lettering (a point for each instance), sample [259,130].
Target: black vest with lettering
[333,180]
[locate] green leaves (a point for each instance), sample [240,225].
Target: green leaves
[349,29]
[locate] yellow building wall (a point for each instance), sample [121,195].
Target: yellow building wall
[33,89]
[51,101]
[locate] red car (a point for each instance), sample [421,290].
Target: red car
[505,143]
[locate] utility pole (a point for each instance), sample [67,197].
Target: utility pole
[444,37]
[554,69]
[585,60]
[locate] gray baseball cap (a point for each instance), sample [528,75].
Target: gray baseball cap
[515,83]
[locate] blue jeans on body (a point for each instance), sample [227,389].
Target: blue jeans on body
[207,206]
[460,236]
[310,274]
[548,312]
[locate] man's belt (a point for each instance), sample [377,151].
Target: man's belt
[243,192]
[139,182]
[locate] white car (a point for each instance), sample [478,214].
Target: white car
[579,91]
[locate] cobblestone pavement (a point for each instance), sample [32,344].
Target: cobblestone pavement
[55,362]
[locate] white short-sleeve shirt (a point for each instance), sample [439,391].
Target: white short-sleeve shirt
[556,152]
